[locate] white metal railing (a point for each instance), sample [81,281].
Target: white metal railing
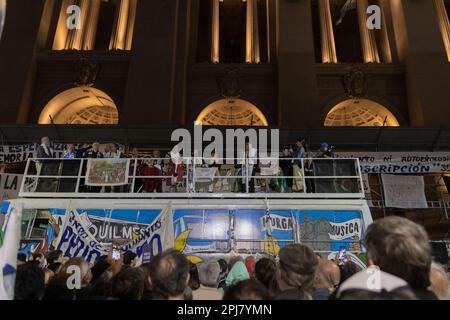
[199,177]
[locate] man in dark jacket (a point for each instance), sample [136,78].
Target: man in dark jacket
[44,151]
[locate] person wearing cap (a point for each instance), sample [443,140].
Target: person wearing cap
[325,151]
[296,272]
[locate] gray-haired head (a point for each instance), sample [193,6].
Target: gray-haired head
[209,273]
[400,247]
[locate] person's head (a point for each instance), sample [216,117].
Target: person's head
[21,258]
[237,273]
[233,260]
[113,147]
[209,274]
[250,289]
[55,267]
[45,141]
[265,271]
[348,269]
[95,146]
[130,258]
[400,247]
[194,281]
[439,280]
[300,143]
[169,274]
[327,275]
[286,151]
[49,274]
[298,265]
[54,256]
[324,147]
[223,267]
[250,265]
[68,268]
[135,152]
[70,148]
[156,154]
[99,268]
[128,284]
[30,282]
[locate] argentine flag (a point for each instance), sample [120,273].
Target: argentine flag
[8,251]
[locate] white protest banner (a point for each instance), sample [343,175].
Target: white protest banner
[406,192]
[10,235]
[10,186]
[400,162]
[75,239]
[345,230]
[21,153]
[159,236]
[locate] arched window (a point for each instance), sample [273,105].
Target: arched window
[103,25]
[232,112]
[360,113]
[80,106]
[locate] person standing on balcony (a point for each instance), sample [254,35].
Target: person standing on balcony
[45,151]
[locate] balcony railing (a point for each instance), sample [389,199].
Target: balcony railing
[194,178]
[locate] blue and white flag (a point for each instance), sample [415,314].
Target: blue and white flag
[349,5]
[76,240]
[8,251]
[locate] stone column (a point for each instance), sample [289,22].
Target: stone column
[215,32]
[368,42]
[327,33]
[444,24]
[297,79]
[252,54]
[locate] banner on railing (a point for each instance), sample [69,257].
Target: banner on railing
[75,239]
[9,186]
[400,162]
[406,192]
[107,172]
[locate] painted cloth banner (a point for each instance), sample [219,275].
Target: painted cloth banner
[10,186]
[400,162]
[107,172]
[75,239]
[10,235]
[406,192]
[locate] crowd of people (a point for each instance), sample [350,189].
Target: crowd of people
[399,260]
[287,177]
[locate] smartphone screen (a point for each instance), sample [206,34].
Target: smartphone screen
[342,253]
[116,254]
